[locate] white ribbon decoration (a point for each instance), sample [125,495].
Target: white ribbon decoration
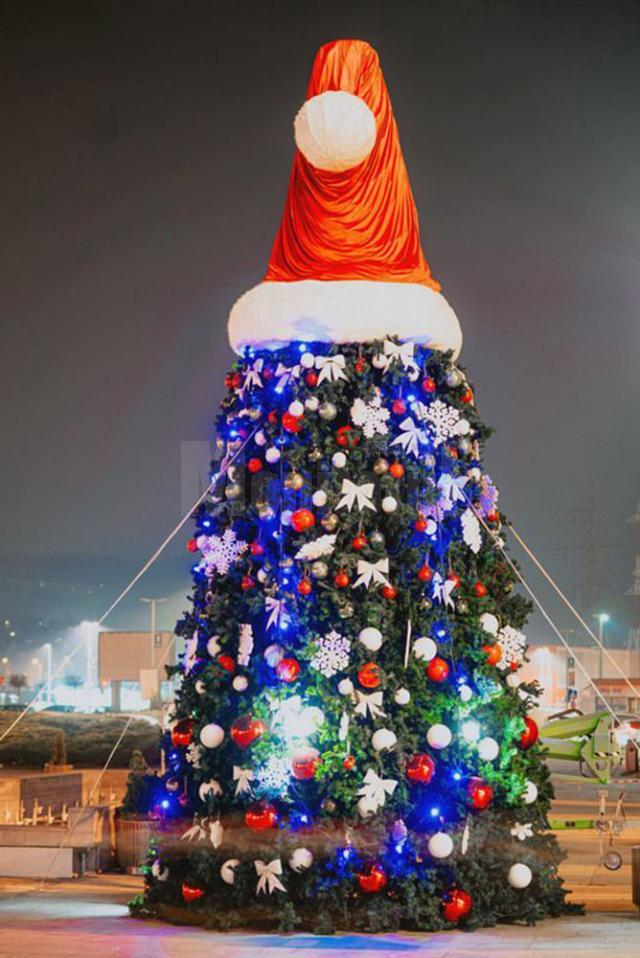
[252,377]
[372,572]
[268,879]
[450,487]
[398,352]
[359,496]
[195,833]
[369,702]
[191,653]
[471,530]
[244,777]
[277,612]
[286,375]
[331,368]
[442,589]
[410,438]
[374,790]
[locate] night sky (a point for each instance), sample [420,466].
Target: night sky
[146,153]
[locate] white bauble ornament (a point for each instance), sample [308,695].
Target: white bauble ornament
[240,683]
[300,859]
[263,575]
[307,360]
[383,740]
[228,870]
[273,654]
[200,687]
[345,686]
[312,403]
[425,649]
[474,474]
[463,427]
[296,408]
[402,697]
[488,749]
[520,875]
[335,130]
[272,455]
[371,638]
[530,793]
[489,623]
[319,498]
[389,504]
[439,736]
[465,693]
[213,646]
[513,680]
[260,439]
[285,517]
[339,460]
[212,735]
[440,845]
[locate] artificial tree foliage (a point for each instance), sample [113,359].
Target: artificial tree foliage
[295,830]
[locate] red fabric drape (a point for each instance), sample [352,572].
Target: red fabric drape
[361,223]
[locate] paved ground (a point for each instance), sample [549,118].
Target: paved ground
[89,919]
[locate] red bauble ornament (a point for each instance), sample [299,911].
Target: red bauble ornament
[438,670]
[267,373]
[311,378]
[479,589]
[288,670]
[530,735]
[347,437]
[191,892]
[359,542]
[360,365]
[342,579]
[245,730]
[291,423]
[348,763]
[372,878]
[182,732]
[302,520]
[429,385]
[420,768]
[456,904]
[254,465]
[493,516]
[396,469]
[480,794]
[493,653]
[247,582]
[260,817]
[467,396]
[389,592]
[304,587]
[273,417]
[369,676]
[192,545]
[421,524]
[227,662]
[425,573]
[305,765]
[256,549]
[398,407]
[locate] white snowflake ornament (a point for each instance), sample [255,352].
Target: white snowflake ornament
[370,416]
[219,553]
[513,644]
[332,654]
[441,420]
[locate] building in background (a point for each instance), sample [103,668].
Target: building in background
[565,684]
[133,664]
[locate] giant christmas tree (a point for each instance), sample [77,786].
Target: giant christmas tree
[350,746]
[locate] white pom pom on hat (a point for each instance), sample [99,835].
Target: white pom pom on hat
[335,131]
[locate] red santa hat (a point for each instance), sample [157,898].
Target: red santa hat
[346,264]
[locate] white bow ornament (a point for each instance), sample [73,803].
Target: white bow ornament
[353,495]
[268,880]
[331,368]
[243,777]
[372,572]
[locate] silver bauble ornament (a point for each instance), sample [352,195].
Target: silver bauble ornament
[314,455]
[233,490]
[294,481]
[319,569]
[380,467]
[266,512]
[328,411]
[255,414]
[454,377]
[377,540]
[346,611]
[330,522]
[464,446]
[462,607]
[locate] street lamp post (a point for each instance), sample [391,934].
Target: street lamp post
[152,624]
[602,618]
